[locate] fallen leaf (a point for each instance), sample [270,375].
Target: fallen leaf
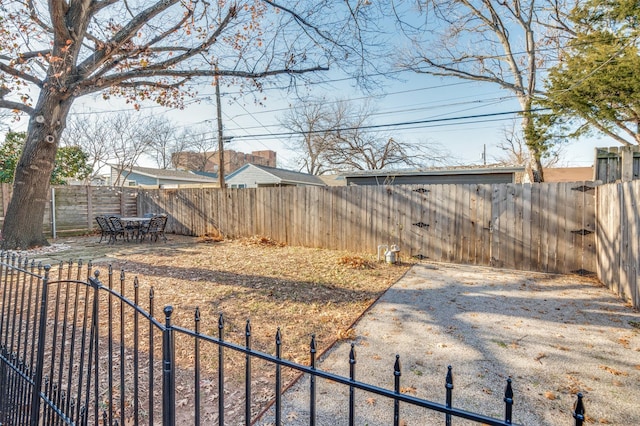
[613,371]
[540,356]
[408,389]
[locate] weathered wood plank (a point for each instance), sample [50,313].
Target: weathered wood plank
[564,196]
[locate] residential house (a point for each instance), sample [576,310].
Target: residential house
[159,178]
[446,175]
[258,176]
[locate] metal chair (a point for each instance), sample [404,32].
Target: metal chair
[120,229]
[105,228]
[155,228]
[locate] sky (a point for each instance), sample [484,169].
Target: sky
[434,106]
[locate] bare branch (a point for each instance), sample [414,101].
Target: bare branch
[16,106]
[58,9]
[100,56]
[19,74]
[89,86]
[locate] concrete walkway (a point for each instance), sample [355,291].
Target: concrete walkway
[553,335]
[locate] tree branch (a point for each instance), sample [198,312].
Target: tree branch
[447,71]
[94,85]
[100,56]
[607,132]
[99,5]
[5,104]
[300,19]
[34,16]
[58,10]
[202,47]
[19,74]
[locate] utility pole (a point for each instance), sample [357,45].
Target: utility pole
[220,136]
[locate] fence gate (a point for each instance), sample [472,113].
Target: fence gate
[531,227]
[48,348]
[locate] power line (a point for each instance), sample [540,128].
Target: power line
[392,125]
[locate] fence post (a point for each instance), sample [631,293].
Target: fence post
[42,326]
[247,375]
[449,394]
[352,377]
[312,382]
[396,402]
[278,379]
[508,400]
[578,413]
[221,371]
[168,372]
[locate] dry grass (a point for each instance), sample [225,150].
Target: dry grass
[301,291]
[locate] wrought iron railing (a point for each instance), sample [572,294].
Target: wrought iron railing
[76,351]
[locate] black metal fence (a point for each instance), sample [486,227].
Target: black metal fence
[76,351]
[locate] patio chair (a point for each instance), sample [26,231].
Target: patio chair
[155,228]
[105,228]
[120,229]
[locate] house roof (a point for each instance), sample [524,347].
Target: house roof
[211,175]
[333,180]
[285,176]
[457,170]
[168,174]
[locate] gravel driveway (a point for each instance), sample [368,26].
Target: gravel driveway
[553,335]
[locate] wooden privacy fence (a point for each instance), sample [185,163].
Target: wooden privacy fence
[618,245]
[72,209]
[540,227]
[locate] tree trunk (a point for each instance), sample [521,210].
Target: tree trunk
[23,223]
[533,141]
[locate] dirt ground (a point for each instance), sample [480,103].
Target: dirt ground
[554,336]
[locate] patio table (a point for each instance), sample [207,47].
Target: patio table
[135,223]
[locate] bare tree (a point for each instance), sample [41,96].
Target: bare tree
[163,142]
[198,147]
[499,42]
[313,123]
[338,136]
[131,138]
[515,152]
[93,134]
[156,50]
[118,140]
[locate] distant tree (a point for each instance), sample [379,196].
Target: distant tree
[131,138]
[498,42]
[71,161]
[163,142]
[198,148]
[514,152]
[9,155]
[119,140]
[94,134]
[313,123]
[147,50]
[596,85]
[336,136]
